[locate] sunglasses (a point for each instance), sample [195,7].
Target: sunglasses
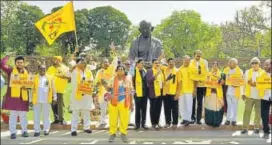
[254,63]
[127,64]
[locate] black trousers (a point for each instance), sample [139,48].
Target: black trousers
[58,108]
[170,109]
[200,93]
[225,98]
[265,108]
[155,110]
[140,110]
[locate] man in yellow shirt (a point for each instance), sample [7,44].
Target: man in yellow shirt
[59,72]
[185,91]
[169,93]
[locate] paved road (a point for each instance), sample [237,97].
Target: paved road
[140,137]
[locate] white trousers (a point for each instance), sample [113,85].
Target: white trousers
[13,121]
[103,115]
[43,108]
[186,106]
[75,118]
[232,108]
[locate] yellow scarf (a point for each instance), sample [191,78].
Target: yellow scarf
[157,82]
[194,70]
[219,90]
[170,86]
[237,92]
[263,82]
[16,90]
[250,72]
[88,75]
[138,83]
[36,89]
[106,74]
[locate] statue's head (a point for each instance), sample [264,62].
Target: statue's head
[145,28]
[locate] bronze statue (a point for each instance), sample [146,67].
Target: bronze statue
[145,46]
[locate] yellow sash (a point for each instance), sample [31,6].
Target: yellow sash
[214,77]
[194,72]
[263,82]
[250,72]
[157,82]
[36,89]
[60,83]
[83,86]
[236,74]
[170,86]
[16,88]
[138,83]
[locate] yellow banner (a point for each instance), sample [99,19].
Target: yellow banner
[212,84]
[20,82]
[263,83]
[85,88]
[235,80]
[59,22]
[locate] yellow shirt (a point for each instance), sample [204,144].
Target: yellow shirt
[60,83]
[187,84]
[170,86]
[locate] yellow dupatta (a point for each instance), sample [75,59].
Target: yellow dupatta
[16,90]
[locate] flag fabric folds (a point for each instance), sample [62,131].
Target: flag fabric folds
[57,23]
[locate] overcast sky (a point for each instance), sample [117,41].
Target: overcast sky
[154,11]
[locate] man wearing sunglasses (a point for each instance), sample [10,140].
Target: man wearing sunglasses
[251,96]
[199,70]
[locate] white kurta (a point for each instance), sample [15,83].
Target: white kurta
[86,103]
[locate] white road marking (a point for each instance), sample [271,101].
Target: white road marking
[233,142]
[32,142]
[5,134]
[148,143]
[132,142]
[92,142]
[54,132]
[236,133]
[179,142]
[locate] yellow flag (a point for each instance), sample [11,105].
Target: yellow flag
[61,21]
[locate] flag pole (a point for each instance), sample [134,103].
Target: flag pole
[76,48]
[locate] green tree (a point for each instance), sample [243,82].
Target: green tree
[183,32]
[108,24]
[8,16]
[26,36]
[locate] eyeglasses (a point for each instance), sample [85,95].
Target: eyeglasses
[120,69]
[254,63]
[127,64]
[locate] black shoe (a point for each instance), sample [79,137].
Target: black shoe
[182,122]
[88,131]
[112,138]
[233,123]
[74,133]
[244,131]
[186,123]
[227,122]
[131,124]
[266,136]
[55,122]
[145,127]
[199,122]
[46,133]
[36,134]
[25,134]
[13,136]
[124,138]
[192,122]
[257,131]
[154,126]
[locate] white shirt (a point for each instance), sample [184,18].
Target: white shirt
[254,93]
[231,90]
[267,93]
[43,90]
